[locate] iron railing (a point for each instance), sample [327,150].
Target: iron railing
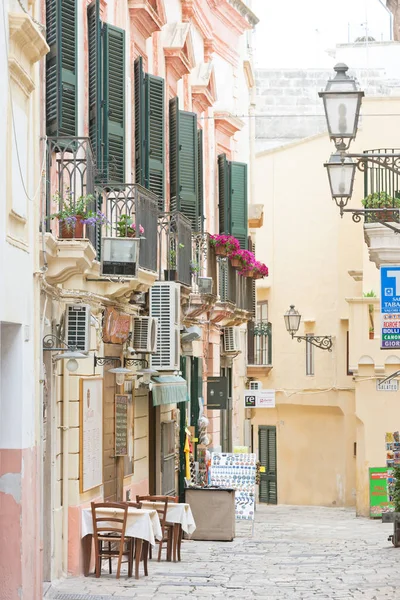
[70,176]
[174,247]
[204,261]
[382,184]
[131,204]
[259,343]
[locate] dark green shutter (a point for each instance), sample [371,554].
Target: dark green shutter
[61,68]
[200,175]
[188,166]
[238,202]
[140,123]
[95,90]
[174,154]
[114,104]
[223,194]
[267,458]
[182,437]
[155,136]
[196,392]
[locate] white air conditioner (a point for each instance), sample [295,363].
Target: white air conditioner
[165,306]
[205,285]
[255,385]
[120,257]
[77,326]
[231,340]
[144,334]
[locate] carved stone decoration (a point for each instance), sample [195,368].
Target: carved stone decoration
[204,92]
[178,48]
[148,15]
[383,244]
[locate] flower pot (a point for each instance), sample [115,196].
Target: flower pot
[371,335]
[221,251]
[236,263]
[69,232]
[250,274]
[170,274]
[257,276]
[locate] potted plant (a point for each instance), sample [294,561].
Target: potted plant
[381,200]
[127,228]
[371,333]
[171,274]
[370,294]
[394,516]
[245,260]
[260,270]
[73,214]
[194,267]
[224,245]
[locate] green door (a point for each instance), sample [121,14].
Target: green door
[267,458]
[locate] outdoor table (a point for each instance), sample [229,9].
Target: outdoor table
[141,524]
[180,515]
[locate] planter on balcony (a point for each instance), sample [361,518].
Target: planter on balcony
[68,231]
[221,251]
[383,244]
[236,263]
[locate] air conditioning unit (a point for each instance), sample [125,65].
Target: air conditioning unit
[165,306]
[255,385]
[77,326]
[231,340]
[120,257]
[144,334]
[205,285]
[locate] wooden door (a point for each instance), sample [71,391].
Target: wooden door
[267,458]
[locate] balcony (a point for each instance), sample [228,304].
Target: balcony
[259,349]
[236,296]
[203,265]
[174,248]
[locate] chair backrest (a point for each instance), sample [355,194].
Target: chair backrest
[161,508]
[113,522]
[133,504]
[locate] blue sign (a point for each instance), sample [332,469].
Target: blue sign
[390,307]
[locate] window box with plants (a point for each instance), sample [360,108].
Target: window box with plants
[171,274]
[73,215]
[225,245]
[387,207]
[126,227]
[248,265]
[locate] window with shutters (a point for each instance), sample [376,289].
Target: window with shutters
[95,92]
[61,68]
[149,131]
[232,192]
[184,164]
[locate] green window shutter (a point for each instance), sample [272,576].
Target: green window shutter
[223,194]
[140,123]
[238,202]
[114,104]
[95,95]
[155,136]
[61,68]
[174,175]
[200,175]
[188,166]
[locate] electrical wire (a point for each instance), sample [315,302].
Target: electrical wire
[297,116]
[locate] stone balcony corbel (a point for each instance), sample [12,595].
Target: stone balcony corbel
[383,244]
[148,15]
[178,48]
[255,216]
[222,313]
[203,86]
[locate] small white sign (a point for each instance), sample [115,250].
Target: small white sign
[389,386]
[259,399]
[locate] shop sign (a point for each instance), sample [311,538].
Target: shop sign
[388,386]
[378,491]
[390,307]
[259,399]
[121,425]
[116,326]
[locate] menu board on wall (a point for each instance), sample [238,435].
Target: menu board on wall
[238,472]
[121,425]
[91,433]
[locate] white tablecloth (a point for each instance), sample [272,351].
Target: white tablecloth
[143,524]
[176,513]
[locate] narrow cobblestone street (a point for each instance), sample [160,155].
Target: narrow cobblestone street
[295,553]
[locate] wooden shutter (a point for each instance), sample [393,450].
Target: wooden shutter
[114,103]
[95,90]
[200,176]
[174,153]
[140,123]
[155,136]
[188,166]
[267,456]
[61,68]
[238,202]
[223,194]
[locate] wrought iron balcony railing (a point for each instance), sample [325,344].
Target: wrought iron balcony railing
[382,184]
[259,343]
[204,261]
[174,247]
[132,211]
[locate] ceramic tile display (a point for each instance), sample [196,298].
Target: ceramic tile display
[238,472]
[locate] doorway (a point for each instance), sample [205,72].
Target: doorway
[267,457]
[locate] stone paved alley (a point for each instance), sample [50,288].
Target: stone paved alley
[296,553]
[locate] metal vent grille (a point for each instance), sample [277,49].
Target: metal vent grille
[231,339]
[164,306]
[255,385]
[77,326]
[144,334]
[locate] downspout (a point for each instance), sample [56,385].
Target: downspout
[65,438]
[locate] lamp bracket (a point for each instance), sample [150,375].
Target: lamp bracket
[52,343]
[136,362]
[359,212]
[323,342]
[386,160]
[101,361]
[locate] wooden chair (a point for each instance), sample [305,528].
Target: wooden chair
[106,536]
[166,529]
[140,548]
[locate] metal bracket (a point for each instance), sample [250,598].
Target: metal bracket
[136,362]
[101,361]
[323,342]
[50,341]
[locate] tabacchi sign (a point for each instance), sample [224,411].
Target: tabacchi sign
[390,307]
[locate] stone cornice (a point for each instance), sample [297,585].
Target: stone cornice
[145,18]
[203,86]
[228,12]
[227,123]
[25,38]
[178,49]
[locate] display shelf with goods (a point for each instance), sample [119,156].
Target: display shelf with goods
[237,471]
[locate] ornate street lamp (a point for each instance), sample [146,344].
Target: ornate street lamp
[292,321]
[342,103]
[341,171]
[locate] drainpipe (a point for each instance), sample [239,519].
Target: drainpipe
[65,437]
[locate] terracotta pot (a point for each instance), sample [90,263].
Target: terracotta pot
[236,263]
[221,251]
[68,233]
[371,335]
[250,274]
[257,276]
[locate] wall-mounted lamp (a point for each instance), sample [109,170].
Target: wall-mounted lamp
[292,321]
[120,373]
[53,343]
[72,357]
[147,374]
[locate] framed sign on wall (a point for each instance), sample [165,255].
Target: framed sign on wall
[91,433]
[121,425]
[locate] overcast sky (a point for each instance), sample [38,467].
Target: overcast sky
[297,34]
